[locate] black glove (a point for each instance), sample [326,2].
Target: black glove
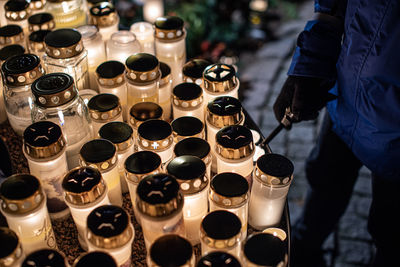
[305,96]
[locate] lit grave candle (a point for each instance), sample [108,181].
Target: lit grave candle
[12,254]
[67,14]
[17,12]
[121,45]
[11,34]
[144,32]
[104,108]
[36,42]
[41,21]
[105,17]
[187,101]
[187,126]
[165,90]
[218,259]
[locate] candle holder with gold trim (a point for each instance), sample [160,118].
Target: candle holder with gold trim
[17,12]
[164,91]
[37,6]
[11,34]
[187,126]
[121,45]
[105,17]
[193,71]
[41,21]
[45,257]
[144,33]
[36,42]
[67,14]
[104,108]
[187,100]
[95,258]
[218,258]
[12,253]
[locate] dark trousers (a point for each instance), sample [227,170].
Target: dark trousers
[332,170]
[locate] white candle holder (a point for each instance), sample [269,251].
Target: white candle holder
[218,258]
[37,6]
[165,90]
[104,108]
[18,13]
[41,21]
[121,45]
[152,9]
[144,32]
[187,126]
[187,101]
[13,254]
[45,257]
[105,17]
[95,258]
[68,14]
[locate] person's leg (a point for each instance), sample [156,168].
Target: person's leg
[331,171]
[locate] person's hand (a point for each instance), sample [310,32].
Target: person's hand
[305,96]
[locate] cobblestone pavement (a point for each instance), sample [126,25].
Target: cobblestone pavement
[266,70]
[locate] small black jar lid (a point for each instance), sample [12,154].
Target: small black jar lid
[194,68]
[171,250]
[265,250]
[97,259]
[8,242]
[234,136]
[142,62]
[193,146]
[16,5]
[229,184]
[119,133]
[165,184]
[187,126]
[110,69]
[155,130]
[165,74]
[10,30]
[38,36]
[19,187]
[221,225]
[45,257]
[225,106]
[218,259]
[116,219]
[275,165]
[187,91]
[40,18]
[186,167]
[144,111]
[142,162]
[169,23]
[81,179]
[97,151]
[103,102]
[10,51]
[63,38]
[20,64]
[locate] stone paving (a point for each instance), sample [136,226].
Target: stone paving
[266,70]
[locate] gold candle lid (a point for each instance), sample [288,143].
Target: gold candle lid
[229,190]
[158,195]
[193,70]
[11,250]
[11,34]
[142,68]
[37,4]
[109,227]
[111,74]
[141,164]
[83,185]
[171,250]
[169,29]
[274,170]
[219,78]
[63,43]
[21,194]
[100,154]
[165,74]
[17,10]
[43,139]
[224,111]
[187,96]
[104,108]
[234,142]
[22,69]
[155,135]
[143,111]
[187,126]
[103,14]
[41,21]
[119,133]
[36,41]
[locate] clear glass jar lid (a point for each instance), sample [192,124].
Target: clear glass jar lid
[45,257]
[171,250]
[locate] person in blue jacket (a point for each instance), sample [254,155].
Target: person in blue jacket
[351,50]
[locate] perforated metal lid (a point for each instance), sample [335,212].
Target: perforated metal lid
[171,250]
[22,69]
[234,142]
[224,111]
[103,14]
[229,189]
[193,70]
[111,73]
[36,41]
[187,96]
[144,111]
[165,74]
[219,78]
[140,164]
[45,257]
[99,153]
[41,21]
[187,126]
[119,133]
[193,146]
[104,107]
[10,51]
[17,10]
[10,247]
[142,68]
[155,135]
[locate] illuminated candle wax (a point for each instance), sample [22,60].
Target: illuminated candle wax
[57,100]
[187,126]
[171,250]
[193,71]
[190,174]
[271,181]
[220,230]
[281,234]
[65,53]
[37,6]
[45,257]
[164,91]
[104,108]
[23,203]
[262,249]
[109,229]
[95,258]
[121,45]
[144,32]
[17,12]
[111,80]
[19,72]
[11,34]
[152,9]
[41,21]
[234,150]
[217,259]
[105,17]
[36,42]
[159,203]
[188,101]
[102,154]
[44,148]
[10,247]
[171,45]
[230,191]
[67,14]
[156,136]
[121,135]
[84,190]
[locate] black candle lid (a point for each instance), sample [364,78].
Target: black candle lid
[8,242]
[142,68]
[235,137]
[63,43]
[218,259]
[274,169]
[38,36]
[119,133]
[229,184]
[144,111]
[103,102]
[45,257]
[142,162]
[187,126]
[82,181]
[16,5]
[10,51]
[187,91]
[97,151]
[192,146]
[97,259]
[225,106]
[171,250]
[20,64]
[194,69]
[169,23]
[110,69]
[186,167]
[20,186]
[41,21]
[265,250]
[103,14]
[10,30]
[155,130]
[221,225]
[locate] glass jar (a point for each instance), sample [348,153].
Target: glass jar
[37,6]
[220,230]
[109,229]
[11,34]
[84,190]
[65,53]
[193,71]
[11,249]
[23,203]
[171,45]
[121,135]
[230,191]
[44,147]
[95,258]
[102,154]
[187,126]
[67,14]
[96,52]
[188,101]
[121,45]
[164,91]
[41,21]
[86,95]
[36,42]
[19,72]
[272,177]
[17,12]
[105,17]
[111,80]
[217,259]
[45,257]
[159,203]
[171,250]
[144,33]
[190,172]
[104,108]
[57,100]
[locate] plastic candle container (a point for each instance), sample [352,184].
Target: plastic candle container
[11,34]
[144,33]
[217,259]
[164,91]
[272,177]
[187,126]
[17,12]
[41,21]
[10,247]
[67,14]
[45,257]
[104,108]
[121,45]
[188,101]
[95,258]
[84,190]
[36,42]
[105,17]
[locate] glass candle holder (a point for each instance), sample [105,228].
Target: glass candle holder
[194,146]
[234,150]
[171,45]
[37,6]
[19,72]
[190,173]
[109,229]
[217,259]
[143,74]
[67,14]
[137,166]
[159,204]
[272,177]
[3,20]
[193,71]
[164,91]
[121,135]
[95,258]
[230,191]
[104,108]
[171,250]
[102,154]
[262,249]
[187,126]
[111,80]
[65,53]
[57,100]
[86,95]
[187,101]
[220,230]
[17,12]
[44,148]
[152,9]
[156,136]
[11,249]
[121,45]
[105,17]
[36,42]
[41,21]
[23,203]
[144,33]
[45,257]
[84,190]
[96,52]
[11,34]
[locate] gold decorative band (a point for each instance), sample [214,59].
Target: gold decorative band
[65,52]
[271,181]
